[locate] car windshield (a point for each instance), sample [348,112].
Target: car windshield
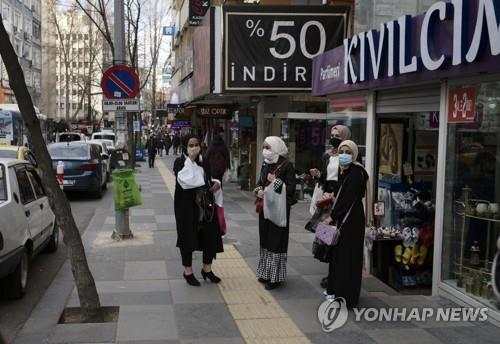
[104,136]
[8,154]
[69,137]
[80,152]
[3,184]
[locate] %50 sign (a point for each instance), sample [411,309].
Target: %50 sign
[279,46]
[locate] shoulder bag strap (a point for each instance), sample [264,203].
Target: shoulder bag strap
[348,212]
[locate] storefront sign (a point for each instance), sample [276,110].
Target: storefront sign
[168,31]
[126,105]
[203,64]
[197,9]
[271,48]
[451,39]
[214,111]
[179,124]
[175,108]
[462,105]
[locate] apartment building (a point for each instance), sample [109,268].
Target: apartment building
[22,20]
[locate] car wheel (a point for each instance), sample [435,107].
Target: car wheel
[98,193]
[15,283]
[53,241]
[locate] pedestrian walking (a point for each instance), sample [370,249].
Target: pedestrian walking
[195,232]
[161,144]
[346,263]
[328,178]
[277,171]
[168,143]
[152,147]
[217,158]
[176,142]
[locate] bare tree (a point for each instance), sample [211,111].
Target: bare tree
[135,37]
[85,284]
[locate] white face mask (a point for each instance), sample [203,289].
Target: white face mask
[193,150]
[269,156]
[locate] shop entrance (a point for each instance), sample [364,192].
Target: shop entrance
[405,181]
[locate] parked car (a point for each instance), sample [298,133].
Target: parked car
[70,137]
[106,135]
[106,155]
[84,166]
[27,224]
[110,145]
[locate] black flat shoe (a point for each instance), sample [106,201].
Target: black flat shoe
[271,286]
[210,275]
[191,280]
[261,280]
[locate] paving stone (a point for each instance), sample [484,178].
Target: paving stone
[204,321]
[341,336]
[107,271]
[141,212]
[148,270]
[268,328]
[128,299]
[165,218]
[485,334]
[184,293]
[132,286]
[213,341]
[408,336]
[240,216]
[142,219]
[143,323]
[84,333]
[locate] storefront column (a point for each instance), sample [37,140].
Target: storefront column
[260,137]
[440,190]
[370,140]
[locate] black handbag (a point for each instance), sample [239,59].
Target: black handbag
[206,205]
[321,251]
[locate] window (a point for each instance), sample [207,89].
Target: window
[25,188]
[472,194]
[28,26]
[73,106]
[17,20]
[37,183]
[86,36]
[3,184]
[36,31]
[5,11]
[73,92]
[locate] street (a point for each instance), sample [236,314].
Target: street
[45,266]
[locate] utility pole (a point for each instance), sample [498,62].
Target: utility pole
[122,223]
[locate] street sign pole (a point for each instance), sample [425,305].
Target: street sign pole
[122,226]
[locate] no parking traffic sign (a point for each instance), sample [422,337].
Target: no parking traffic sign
[120,82]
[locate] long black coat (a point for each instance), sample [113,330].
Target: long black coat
[208,238]
[272,237]
[347,256]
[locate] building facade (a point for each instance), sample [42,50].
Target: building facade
[78,68]
[430,118]
[22,20]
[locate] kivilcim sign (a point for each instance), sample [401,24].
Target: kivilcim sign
[452,39]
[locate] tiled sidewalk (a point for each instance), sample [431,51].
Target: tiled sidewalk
[144,277]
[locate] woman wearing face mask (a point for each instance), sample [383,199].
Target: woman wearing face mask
[345,269]
[276,171]
[191,178]
[329,174]
[328,178]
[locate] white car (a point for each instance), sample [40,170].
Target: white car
[27,224]
[104,135]
[105,154]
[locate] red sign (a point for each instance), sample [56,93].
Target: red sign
[462,105]
[120,82]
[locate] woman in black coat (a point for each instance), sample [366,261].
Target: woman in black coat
[274,239]
[191,179]
[345,270]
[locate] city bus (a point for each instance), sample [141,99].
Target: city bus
[12,128]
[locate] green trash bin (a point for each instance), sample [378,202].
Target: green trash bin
[126,192]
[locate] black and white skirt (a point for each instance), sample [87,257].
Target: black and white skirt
[272,266]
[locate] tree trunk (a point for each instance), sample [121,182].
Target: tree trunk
[85,284]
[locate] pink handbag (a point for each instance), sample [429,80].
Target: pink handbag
[221,219]
[328,234]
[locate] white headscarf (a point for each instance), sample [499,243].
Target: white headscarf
[278,147]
